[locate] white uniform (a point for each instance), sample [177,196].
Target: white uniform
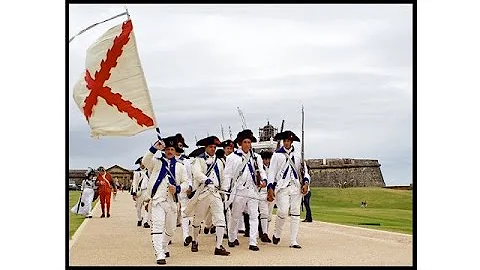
[240,179]
[207,198]
[139,189]
[288,189]
[164,207]
[263,205]
[183,199]
[84,205]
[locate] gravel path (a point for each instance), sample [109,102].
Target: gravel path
[118,241]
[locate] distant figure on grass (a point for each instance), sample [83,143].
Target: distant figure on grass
[84,205]
[364,204]
[105,186]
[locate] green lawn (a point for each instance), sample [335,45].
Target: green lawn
[75,220]
[392,209]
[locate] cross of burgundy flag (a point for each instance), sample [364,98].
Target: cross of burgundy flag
[112,93]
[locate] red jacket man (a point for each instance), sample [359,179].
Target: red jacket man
[105,185]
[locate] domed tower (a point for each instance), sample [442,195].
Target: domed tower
[267,132]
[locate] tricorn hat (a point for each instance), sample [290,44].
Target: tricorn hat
[181,140]
[229,143]
[172,141]
[245,134]
[196,152]
[209,141]
[287,134]
[220,153]
[266,154]
[139,160]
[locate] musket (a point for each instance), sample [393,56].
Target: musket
[281,130]
[302,167]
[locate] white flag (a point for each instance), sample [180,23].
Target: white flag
[112,93]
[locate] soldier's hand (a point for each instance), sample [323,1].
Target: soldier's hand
[189,191]
[263,183]
[304,189]
[159,145]
[171,189]
[270,195]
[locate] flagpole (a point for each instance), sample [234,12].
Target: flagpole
[128,14]
[95,24]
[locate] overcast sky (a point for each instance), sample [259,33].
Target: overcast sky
[349,65]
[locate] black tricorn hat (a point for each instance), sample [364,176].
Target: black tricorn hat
[229,143]
[196,152]
[245,134]
[139,160]
[181,139]
[220,153]
[266,154]
[209,141]
[287,134]
[172,141]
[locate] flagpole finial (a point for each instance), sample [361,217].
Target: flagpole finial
[128,14]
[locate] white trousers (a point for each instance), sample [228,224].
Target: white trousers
[288,198]
[164,217]
[185,221]
[238,206]
[213,204]
[141,213]
[264,211]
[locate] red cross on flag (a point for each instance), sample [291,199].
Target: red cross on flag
[112,93]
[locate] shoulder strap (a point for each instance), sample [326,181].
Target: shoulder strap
[292,165]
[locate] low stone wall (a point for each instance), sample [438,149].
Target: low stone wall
[345,172]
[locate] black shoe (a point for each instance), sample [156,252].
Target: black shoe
[178,225]
[170,242]
[221,251]
[187,240]
[167,254]
[213,230]
[108,215]
[295,246]
[146,225]
[194,246]
[236,242]
[254,248]
[247,234]
[225,236]
[307,220]
[231,244]
[206,230]
[89,216]
[139,223]
[161,261]
[102,216]
[264,238]
[241,231]
[275,240]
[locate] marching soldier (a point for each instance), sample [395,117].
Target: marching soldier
[139,193]
[183,196]
[207,178]
[284,170]
[241,179]
[264,205]
[167,179]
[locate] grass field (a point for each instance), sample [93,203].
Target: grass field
[74,220]
[392,209]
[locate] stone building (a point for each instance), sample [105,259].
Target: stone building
[345,172]
[123,175]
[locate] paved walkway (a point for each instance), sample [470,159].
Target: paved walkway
[118,241]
